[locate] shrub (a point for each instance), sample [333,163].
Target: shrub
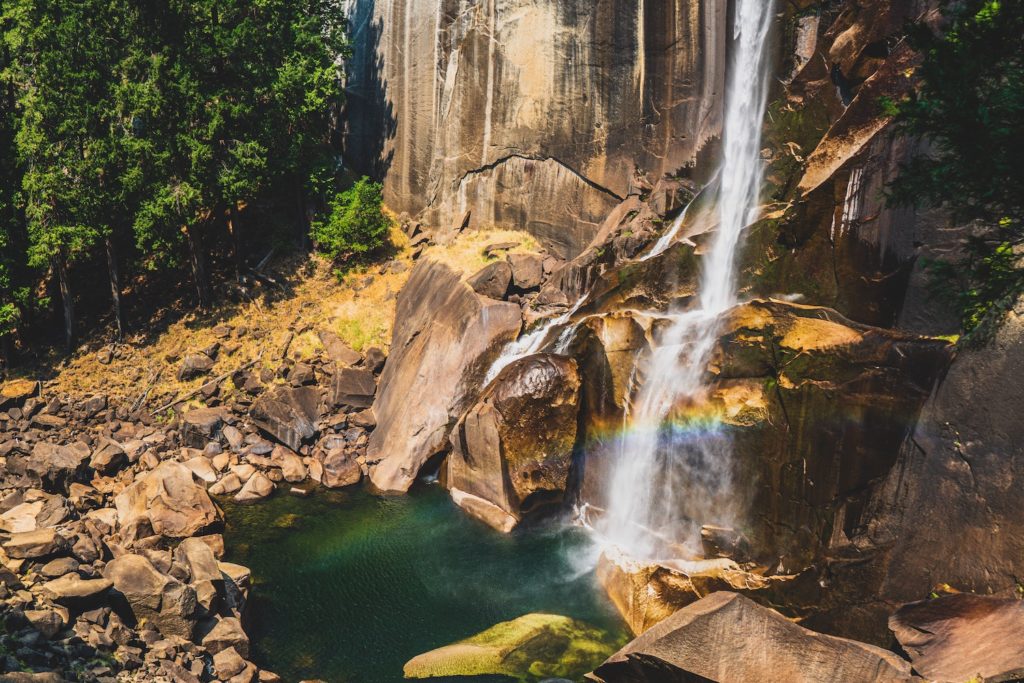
[355,223]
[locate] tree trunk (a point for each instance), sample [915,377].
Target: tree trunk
[115,287]
[234,227]
[198,260]
[61,266]
[300,212]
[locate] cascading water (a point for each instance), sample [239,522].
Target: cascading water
[673,470]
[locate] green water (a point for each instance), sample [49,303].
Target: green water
[348,586]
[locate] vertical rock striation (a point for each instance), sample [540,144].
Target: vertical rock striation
[536,115]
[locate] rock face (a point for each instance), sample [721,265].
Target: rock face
[963,637]
[532,646]
[165,502]
[513,449]
[531,114]
[726,637]
[445,338]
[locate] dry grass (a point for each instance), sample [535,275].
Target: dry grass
[359,307]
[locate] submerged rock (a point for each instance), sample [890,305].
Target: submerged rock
[729,638]
[532,646]
[513,449]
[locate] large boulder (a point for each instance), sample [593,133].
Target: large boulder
[163,601]
[52,467]
[108,457]
[202,425]
[35,544]
[513,449]
[492,280]
[532,646]
[728,638]
[166,502]
[289,414]
[353,388]
[444,340]
[963,637]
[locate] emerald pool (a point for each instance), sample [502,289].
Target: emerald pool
[348,586]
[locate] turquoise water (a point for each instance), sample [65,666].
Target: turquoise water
[349,586]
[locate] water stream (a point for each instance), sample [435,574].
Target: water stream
[673,470]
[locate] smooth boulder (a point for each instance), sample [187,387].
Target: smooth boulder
[729,638]
[166,502]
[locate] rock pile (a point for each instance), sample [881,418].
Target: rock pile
[111,545]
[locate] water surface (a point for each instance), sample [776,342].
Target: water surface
[349,586]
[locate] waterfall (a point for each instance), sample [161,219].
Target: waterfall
[672,471]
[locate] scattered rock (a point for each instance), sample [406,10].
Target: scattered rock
[194,365]
[201,425]
[340,470]
[161,600]
[227,634]
[30,545]
[527,270]
[108,457]
[72,589]
[52,467]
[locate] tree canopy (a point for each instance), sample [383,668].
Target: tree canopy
[969,110]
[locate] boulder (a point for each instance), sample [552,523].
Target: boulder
[340,469]
[963,637]
[52,467]
[73,590]
[256,488]
[337,350]
[162,601]
[492,280]
[30,545]
[16,391]
[353,388]
[47,622]
[292,468]
[202,468]
[444,340]
[201,425]
[227,664]
[514,448]
[227,633]
[108,457]
[527,270]
[727,637]
[36,510]
[530,647]
[196,555]
[375,360]
[194,365]
[289,414]
[167,502]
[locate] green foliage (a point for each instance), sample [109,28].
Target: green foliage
[969,111]
[355,223]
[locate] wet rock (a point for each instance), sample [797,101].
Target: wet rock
[727,637]
[167,502]
[340,469]
[288,414]
[527,270]
[492,280]
[532,646]
[162,601]
[963,637]
[353,388]
[194,365]
[513,449]
[256,488]
[444,339]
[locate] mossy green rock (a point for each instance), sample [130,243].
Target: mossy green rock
[531,647]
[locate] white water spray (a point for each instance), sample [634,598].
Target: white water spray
[673,471]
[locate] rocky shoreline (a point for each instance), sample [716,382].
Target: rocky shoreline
[111,545]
